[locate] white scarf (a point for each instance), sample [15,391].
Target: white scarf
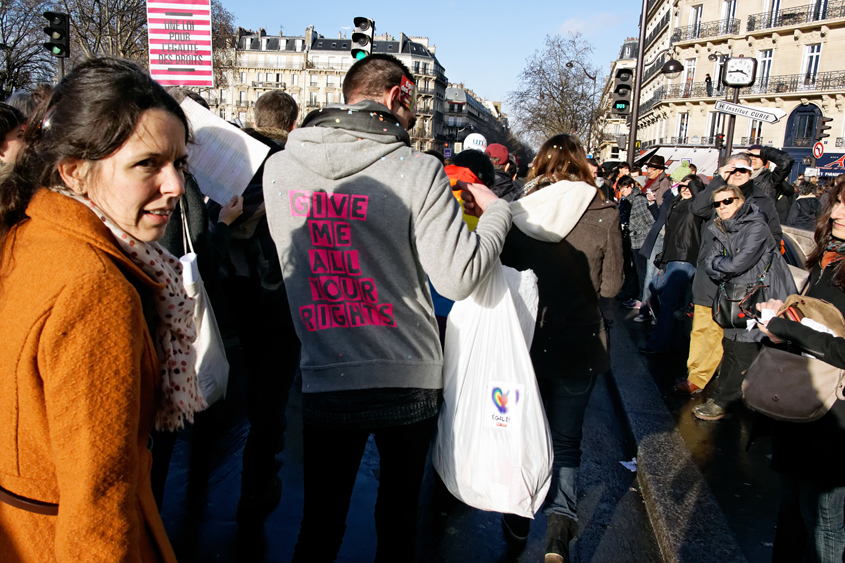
[174,339]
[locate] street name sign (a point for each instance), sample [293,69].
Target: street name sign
[180,42]
[769,115]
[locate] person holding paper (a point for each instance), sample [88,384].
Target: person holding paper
[95,347]
[256,293]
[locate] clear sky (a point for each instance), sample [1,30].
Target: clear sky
[482,44]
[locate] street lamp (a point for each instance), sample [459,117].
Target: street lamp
[672,69]
[592,77]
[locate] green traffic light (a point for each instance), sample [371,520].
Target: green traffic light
[360,55]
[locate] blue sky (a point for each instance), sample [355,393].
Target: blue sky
[482,44]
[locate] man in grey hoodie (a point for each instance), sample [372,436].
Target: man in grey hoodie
[359,218]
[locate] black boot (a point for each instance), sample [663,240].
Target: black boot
[561,530]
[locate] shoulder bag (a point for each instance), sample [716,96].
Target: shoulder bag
[733,300]
[791,387]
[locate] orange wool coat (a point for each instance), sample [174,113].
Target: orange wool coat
[79,385]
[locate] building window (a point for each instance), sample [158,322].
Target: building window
[451,121]
[242,97]
[729,9]
[312,98]
[417,67]
[294,79]
[459,121]
[683,127]
[755,132]
[810,64]
[330,98]
[243,77]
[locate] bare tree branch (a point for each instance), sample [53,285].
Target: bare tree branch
[24,61]
[552,98]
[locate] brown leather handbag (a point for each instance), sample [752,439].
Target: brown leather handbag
[791,387]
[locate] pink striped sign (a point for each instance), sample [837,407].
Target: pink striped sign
[180,42]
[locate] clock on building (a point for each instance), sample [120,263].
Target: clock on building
[740,71]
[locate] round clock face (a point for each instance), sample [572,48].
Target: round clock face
[740,71]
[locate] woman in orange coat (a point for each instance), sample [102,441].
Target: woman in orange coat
[95,343]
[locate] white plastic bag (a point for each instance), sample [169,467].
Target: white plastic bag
[493,448]
[212,365]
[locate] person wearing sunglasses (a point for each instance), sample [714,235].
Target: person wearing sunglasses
[706,336]
[773,182]
[741,251]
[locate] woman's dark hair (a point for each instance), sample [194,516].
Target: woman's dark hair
[562,156]
[478,163]
[824,229]
[89,115]
[625,181]
[806,188]
[694,184]
[10,118]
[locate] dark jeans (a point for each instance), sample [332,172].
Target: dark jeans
[271,354]
[641,264]
[674,280]
[331,457]
[811,521]
[737,357]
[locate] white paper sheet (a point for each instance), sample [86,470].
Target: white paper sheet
[223,158]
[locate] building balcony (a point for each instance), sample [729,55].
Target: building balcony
[801,142]
[693,90]
[314,104]
[314,84]
[242,104]
[796,15]
[425,111]
[654,68]
[661,25]
[212,100]
[425,91]
[748,141]
[256,84]
[704,30]
[787,83]
[328,66]
[840,142]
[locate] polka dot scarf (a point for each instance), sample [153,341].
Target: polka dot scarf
[176,332]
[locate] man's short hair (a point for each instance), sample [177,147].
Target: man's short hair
[276,110]
[693,168]
[370,77]
[807,188]
[179,94]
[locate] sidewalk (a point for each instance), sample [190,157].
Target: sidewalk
[737,495]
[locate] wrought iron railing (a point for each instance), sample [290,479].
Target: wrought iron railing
[658,29]
[751,141]
[680,140]
[425,91]
[425,110]
[802,142]
[822,81]
[693,90]
[840,142]
[709,29]
[650,103]
[796,15]
[654,68]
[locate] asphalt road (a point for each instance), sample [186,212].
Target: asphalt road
[204,484]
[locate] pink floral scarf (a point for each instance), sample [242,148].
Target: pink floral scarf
[176,333]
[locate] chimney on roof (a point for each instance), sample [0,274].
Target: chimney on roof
[261,32]
[309,36]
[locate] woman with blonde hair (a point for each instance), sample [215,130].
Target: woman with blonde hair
[568,233]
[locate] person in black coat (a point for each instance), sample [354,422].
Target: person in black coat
[772,182]
[810,455]
[805,210]
[743,252]
[676,262]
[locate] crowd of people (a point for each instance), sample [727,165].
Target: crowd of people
[340,262]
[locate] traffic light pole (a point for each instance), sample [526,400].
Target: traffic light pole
[638,75]
[729,139]
[61,68]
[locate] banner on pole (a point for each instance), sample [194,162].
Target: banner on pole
[180,42]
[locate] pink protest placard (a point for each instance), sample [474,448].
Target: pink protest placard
[180,42]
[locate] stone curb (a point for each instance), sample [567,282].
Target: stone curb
[689,525]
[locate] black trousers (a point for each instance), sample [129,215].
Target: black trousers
[331,457]
[271,354]
[737,358]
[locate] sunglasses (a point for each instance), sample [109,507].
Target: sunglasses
[726,201]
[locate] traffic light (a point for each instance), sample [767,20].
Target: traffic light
[720,141]
[622,92]
[58,32]
[362,37]
[822,128]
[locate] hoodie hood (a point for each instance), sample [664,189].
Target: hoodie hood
[551,213]
[341,140]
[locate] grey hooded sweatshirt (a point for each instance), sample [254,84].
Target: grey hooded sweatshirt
[359,219]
